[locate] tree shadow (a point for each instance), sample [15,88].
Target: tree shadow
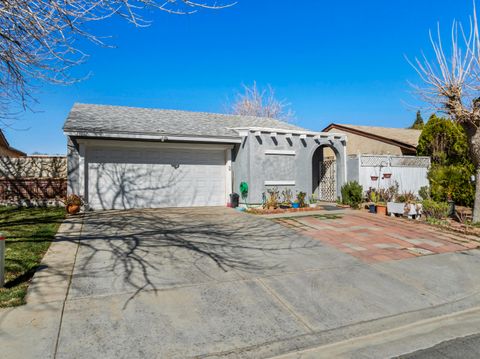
[141,244]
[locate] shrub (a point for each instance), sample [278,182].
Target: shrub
[446,142]
[443,140]
[406,197]
[452,182]
[435,210]
[424,193]
[352,194]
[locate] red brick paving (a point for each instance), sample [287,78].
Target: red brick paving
[373,238]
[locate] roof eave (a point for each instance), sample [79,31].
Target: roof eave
[158,137]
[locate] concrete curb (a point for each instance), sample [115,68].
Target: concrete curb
[398,341]
[316,342]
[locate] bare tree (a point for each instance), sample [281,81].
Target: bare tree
[38,39]
[452,85]
[262,103]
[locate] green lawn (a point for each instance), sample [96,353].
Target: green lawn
[28,233]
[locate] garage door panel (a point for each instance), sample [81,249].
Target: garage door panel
[120,178]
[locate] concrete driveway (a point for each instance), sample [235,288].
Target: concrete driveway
[212,282]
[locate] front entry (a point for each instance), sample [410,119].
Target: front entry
[327,188]
[328,173]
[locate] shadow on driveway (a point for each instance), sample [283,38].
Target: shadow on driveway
[151,249]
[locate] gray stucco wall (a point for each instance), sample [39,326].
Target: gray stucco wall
[252,165]
[73,184]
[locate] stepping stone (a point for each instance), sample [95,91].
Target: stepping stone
[419,251]
[388,245]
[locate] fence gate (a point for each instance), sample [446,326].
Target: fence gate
[327,189]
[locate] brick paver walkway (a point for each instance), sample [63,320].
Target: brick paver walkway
[378,239]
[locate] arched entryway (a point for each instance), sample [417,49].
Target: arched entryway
[328,172]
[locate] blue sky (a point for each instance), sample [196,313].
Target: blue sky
[333,61]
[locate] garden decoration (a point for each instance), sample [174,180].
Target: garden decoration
[387,173]
[244,191]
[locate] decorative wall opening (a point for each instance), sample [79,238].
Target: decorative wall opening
[325,160]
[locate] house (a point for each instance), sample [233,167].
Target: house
[6,150]
[123,157]
[377,140]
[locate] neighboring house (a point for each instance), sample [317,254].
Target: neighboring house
[123,157]
[378,140]
[6,150]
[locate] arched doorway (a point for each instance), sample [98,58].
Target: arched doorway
[327,173]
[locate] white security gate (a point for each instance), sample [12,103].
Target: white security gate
[121,178]
[327,189]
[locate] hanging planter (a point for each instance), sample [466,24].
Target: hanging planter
[388,170]
[374,178]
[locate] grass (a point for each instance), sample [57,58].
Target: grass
[28,232]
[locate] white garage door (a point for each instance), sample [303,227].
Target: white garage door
[121,178]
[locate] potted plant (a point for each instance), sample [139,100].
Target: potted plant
[373,200]
[301,199]
[381,208]
[312,201]
[287,199]
[73,204]
[272,200]
[295,204]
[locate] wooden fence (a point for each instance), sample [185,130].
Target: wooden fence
[35,180]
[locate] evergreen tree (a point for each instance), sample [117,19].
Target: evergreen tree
[419,123]
[446,143]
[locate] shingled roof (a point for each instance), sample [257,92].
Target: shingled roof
[131,120]
[400,136]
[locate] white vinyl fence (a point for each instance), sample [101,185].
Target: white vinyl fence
[410,172]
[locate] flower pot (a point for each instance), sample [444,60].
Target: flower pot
[295,205]
[382,209]
[73,208]
[312,205]
[371,208]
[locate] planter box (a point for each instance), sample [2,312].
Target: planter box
[381,209]
[404,209]
[396,208]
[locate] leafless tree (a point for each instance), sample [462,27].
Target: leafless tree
[254,101]
[451,84]
[39,40]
